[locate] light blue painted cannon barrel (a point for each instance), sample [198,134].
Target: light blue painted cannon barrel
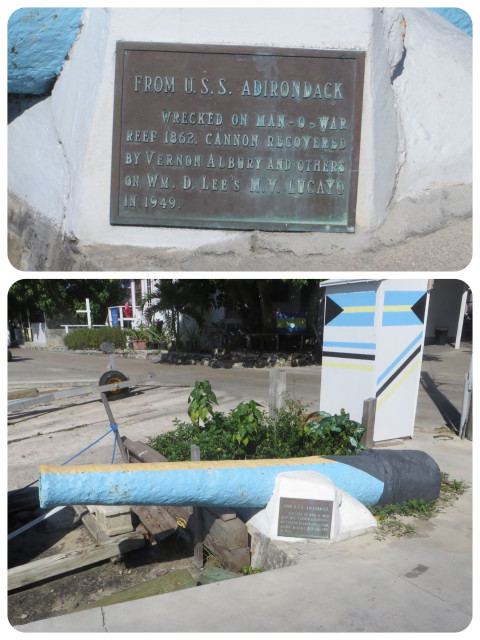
[225,483]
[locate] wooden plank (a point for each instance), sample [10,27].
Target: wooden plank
[60,563]
[232,534]
[90,523]
[142,452]
[159,523]
[197,520]
[368,421]
[183,514]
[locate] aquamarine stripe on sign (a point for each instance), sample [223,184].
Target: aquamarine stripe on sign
[352,345]
[400,357]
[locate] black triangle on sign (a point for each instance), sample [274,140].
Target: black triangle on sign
[419,308]
[332,310]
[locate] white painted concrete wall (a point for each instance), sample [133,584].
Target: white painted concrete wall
[416,130]
[445,306]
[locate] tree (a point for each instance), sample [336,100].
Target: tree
[56,301]
[177,298]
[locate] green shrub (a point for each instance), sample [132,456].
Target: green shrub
[86,338]
[247,432]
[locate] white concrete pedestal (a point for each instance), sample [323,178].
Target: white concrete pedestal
[349,516]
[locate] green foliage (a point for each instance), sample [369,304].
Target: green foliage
[416,508]
[338,431]
[450,489]
[57,300]
[201,399]
[393,519]
[247,418]
[247,432]
[85,338]
[248,570]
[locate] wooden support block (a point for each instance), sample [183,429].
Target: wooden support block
[223,513]
[90,523]
[112,519]
[232,534]
[234,559]
[51,566]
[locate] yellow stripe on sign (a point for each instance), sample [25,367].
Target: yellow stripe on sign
[358,309]
[398,384]
[397,307]
[346,365]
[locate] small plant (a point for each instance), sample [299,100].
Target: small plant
[248,570]
[450,489]
[247,418]
[138,333]
[201,399]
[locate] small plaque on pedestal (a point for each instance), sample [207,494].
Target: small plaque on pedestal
[304,518]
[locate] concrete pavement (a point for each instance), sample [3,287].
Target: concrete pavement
[415,584]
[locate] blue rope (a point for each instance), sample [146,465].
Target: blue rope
[113,427]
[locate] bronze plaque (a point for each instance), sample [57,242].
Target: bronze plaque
[229,137]
[301,518]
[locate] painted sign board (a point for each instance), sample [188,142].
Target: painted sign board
[374,333]
[230,137]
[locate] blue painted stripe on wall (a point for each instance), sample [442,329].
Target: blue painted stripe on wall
[229,487]
[352,345]
[399,319]
[399,358]
[366,319]
[402,297]
[355,299]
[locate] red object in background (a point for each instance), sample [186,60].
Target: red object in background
[127,311]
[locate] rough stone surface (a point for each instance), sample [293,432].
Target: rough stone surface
[36,244]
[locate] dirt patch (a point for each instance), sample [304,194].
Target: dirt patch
[68,592]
